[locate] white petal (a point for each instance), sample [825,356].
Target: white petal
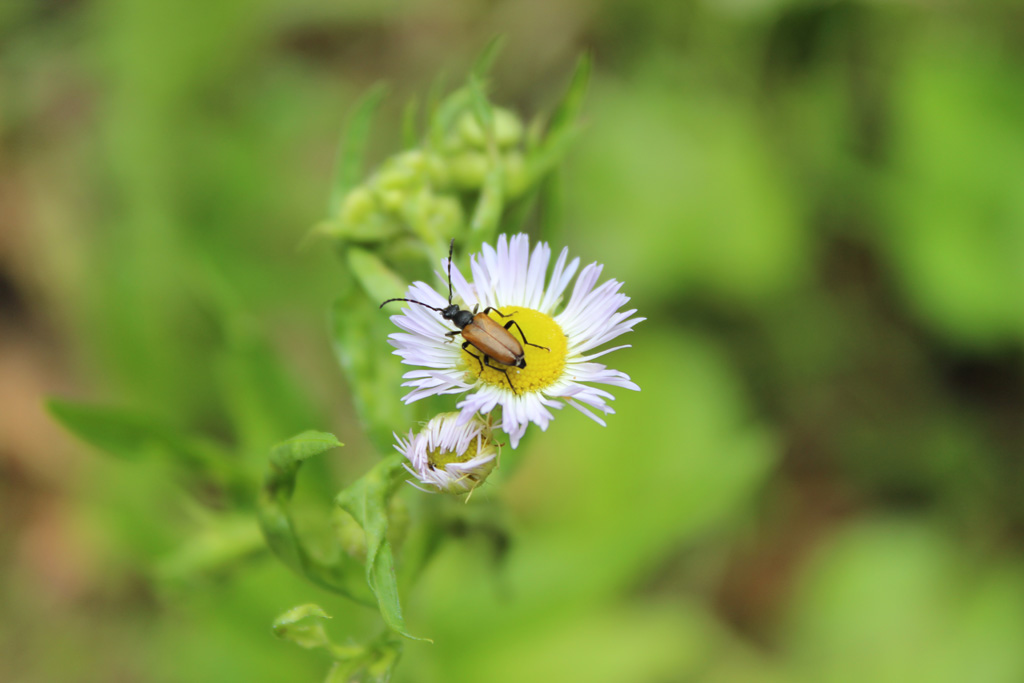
[510,274]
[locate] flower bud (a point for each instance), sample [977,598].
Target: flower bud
[449,457]
[517,177]
[358,206]
[391,200]
[405,171]
[468,170]
[443,214]
[508,129]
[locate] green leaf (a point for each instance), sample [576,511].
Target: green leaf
[131,435]
[552,209]
[519,212]
[289,454]
[367,501]
[352,147]
[343,573]
[568,110]
[564,126]
[410,132]
[434,100]
[487,212]
[491,202]
[263,399]
[121,433]
[485,62]
[303,626]
[446,113]
[376,279]
[375,666]
[420,543]
[359,332]
[483,110]
[260,394]
[375,661]
[288,626]
[223,542]
[469,97]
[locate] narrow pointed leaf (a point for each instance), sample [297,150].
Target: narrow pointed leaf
[352,148]
[446,114]
[485,62]
[568,110]
[563,127]
[410,127]
[378,281]
[483,109]
[131,435]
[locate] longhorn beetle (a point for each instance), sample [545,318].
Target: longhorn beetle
[481,331]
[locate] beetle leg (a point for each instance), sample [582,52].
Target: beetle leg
[487,362]
[465,347]
[510,323]
[451,336]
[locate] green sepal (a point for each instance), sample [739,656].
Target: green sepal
[367,501]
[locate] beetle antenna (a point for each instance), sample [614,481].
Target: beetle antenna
[451,246]
[413,301]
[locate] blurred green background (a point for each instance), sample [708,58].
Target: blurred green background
[818,205]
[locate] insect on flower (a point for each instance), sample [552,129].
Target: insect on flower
[567,312]
[482,332]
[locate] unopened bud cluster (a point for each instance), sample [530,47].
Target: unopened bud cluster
[420,191]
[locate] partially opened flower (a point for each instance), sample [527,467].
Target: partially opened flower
[449,454]
[559,342]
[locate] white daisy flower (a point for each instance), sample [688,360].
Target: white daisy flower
[450,455]
[559,341]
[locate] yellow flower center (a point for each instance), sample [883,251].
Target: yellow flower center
[543,365]
[437,459]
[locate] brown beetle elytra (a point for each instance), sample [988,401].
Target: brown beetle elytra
[481,331]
